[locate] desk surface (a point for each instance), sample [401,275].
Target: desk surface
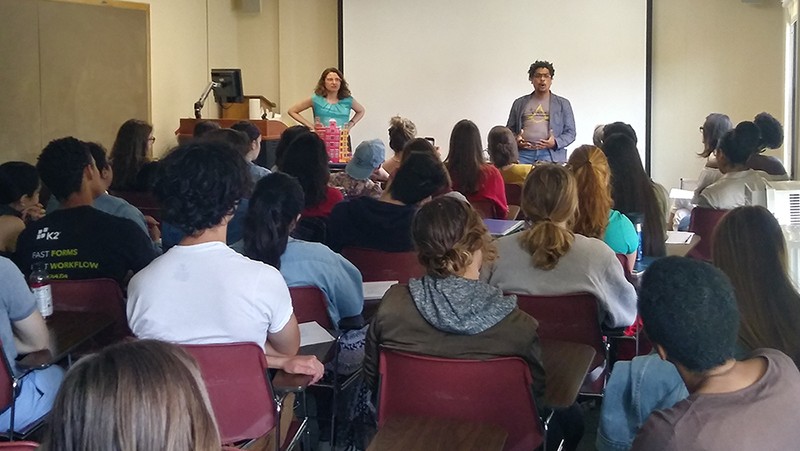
[433,434]
[565,366]
[68,330]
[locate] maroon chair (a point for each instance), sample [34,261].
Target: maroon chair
[496,391]
[513,194]
[310,304]
[144,201]
[376,266]
[19,446]
[485,208]
[241,395]
[570,317]
[702,223]
[93,295]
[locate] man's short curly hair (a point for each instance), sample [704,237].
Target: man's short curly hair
[541,65]
[689,308]
[61,166]
[199,183]
[446,233]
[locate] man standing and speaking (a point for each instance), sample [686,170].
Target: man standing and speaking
[542,121]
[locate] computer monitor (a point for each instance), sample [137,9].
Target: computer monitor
[230,85]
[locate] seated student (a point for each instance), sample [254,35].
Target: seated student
[307,160]
[19,202]
[203,127]
[355,180]
[771,138]
[595,217]
[401,131]
[634,194]
[78,241]
[384,224]
[201,291]
[23,330]
[131,157]
[274,211]
[142,395]
[769,304]
[286,138]
[689,311]
[505,155]
[548,258]
[113,205]
[254,148]
[471,176]
[449,312]
[735,147]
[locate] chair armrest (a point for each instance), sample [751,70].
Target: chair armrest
[352,323]
[284,382]
[36,360]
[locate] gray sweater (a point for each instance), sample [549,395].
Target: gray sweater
[590,266]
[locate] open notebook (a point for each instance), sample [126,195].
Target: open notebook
[312,333]
[502,227]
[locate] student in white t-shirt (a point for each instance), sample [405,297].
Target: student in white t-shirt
[201,291]
[735,147]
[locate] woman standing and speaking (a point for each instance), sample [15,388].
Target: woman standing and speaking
[331,101]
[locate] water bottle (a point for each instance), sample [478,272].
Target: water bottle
[39,282]
[638,226]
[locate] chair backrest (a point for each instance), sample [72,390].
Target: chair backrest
[144,201]
[376,266]
[92,295]
[567,317]
[235,375]
[496,391]
[310,304]
[514,194]
[21,445]
[6,382]
[485,208]
[702,224]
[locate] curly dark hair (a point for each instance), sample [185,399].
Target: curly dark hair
[344,88]
[771,131]
[199,183]
[17,179]
[740,143]
[539,65]
[99,154]
[276,202]
[421,175]
[129,153]
[689,308]
[61,166]
[307,160]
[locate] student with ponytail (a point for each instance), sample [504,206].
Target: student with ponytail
[595,217]
[548,258]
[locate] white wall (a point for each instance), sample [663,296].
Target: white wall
[437,62]
[711,56]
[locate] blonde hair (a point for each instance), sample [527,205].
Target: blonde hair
[144,395]
[592,175]
[401,131]
[549,197]
[446,233]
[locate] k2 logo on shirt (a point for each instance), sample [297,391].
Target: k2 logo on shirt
[44,234]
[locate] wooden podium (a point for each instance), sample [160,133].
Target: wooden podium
[270,134]
[270,130]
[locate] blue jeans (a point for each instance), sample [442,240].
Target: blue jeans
[532,156]
[35,398]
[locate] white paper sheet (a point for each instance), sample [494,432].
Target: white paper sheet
[674,237]
[312,333]
[374,291]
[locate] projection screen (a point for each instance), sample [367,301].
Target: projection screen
[436,62]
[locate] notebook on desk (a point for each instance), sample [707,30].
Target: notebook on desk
[312,333]
[374,291]
[503,227]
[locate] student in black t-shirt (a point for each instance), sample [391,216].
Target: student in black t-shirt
[77,241]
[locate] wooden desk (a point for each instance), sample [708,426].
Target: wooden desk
[270,129]
[565,366]
[681,250]
[68,331]
[433,434]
